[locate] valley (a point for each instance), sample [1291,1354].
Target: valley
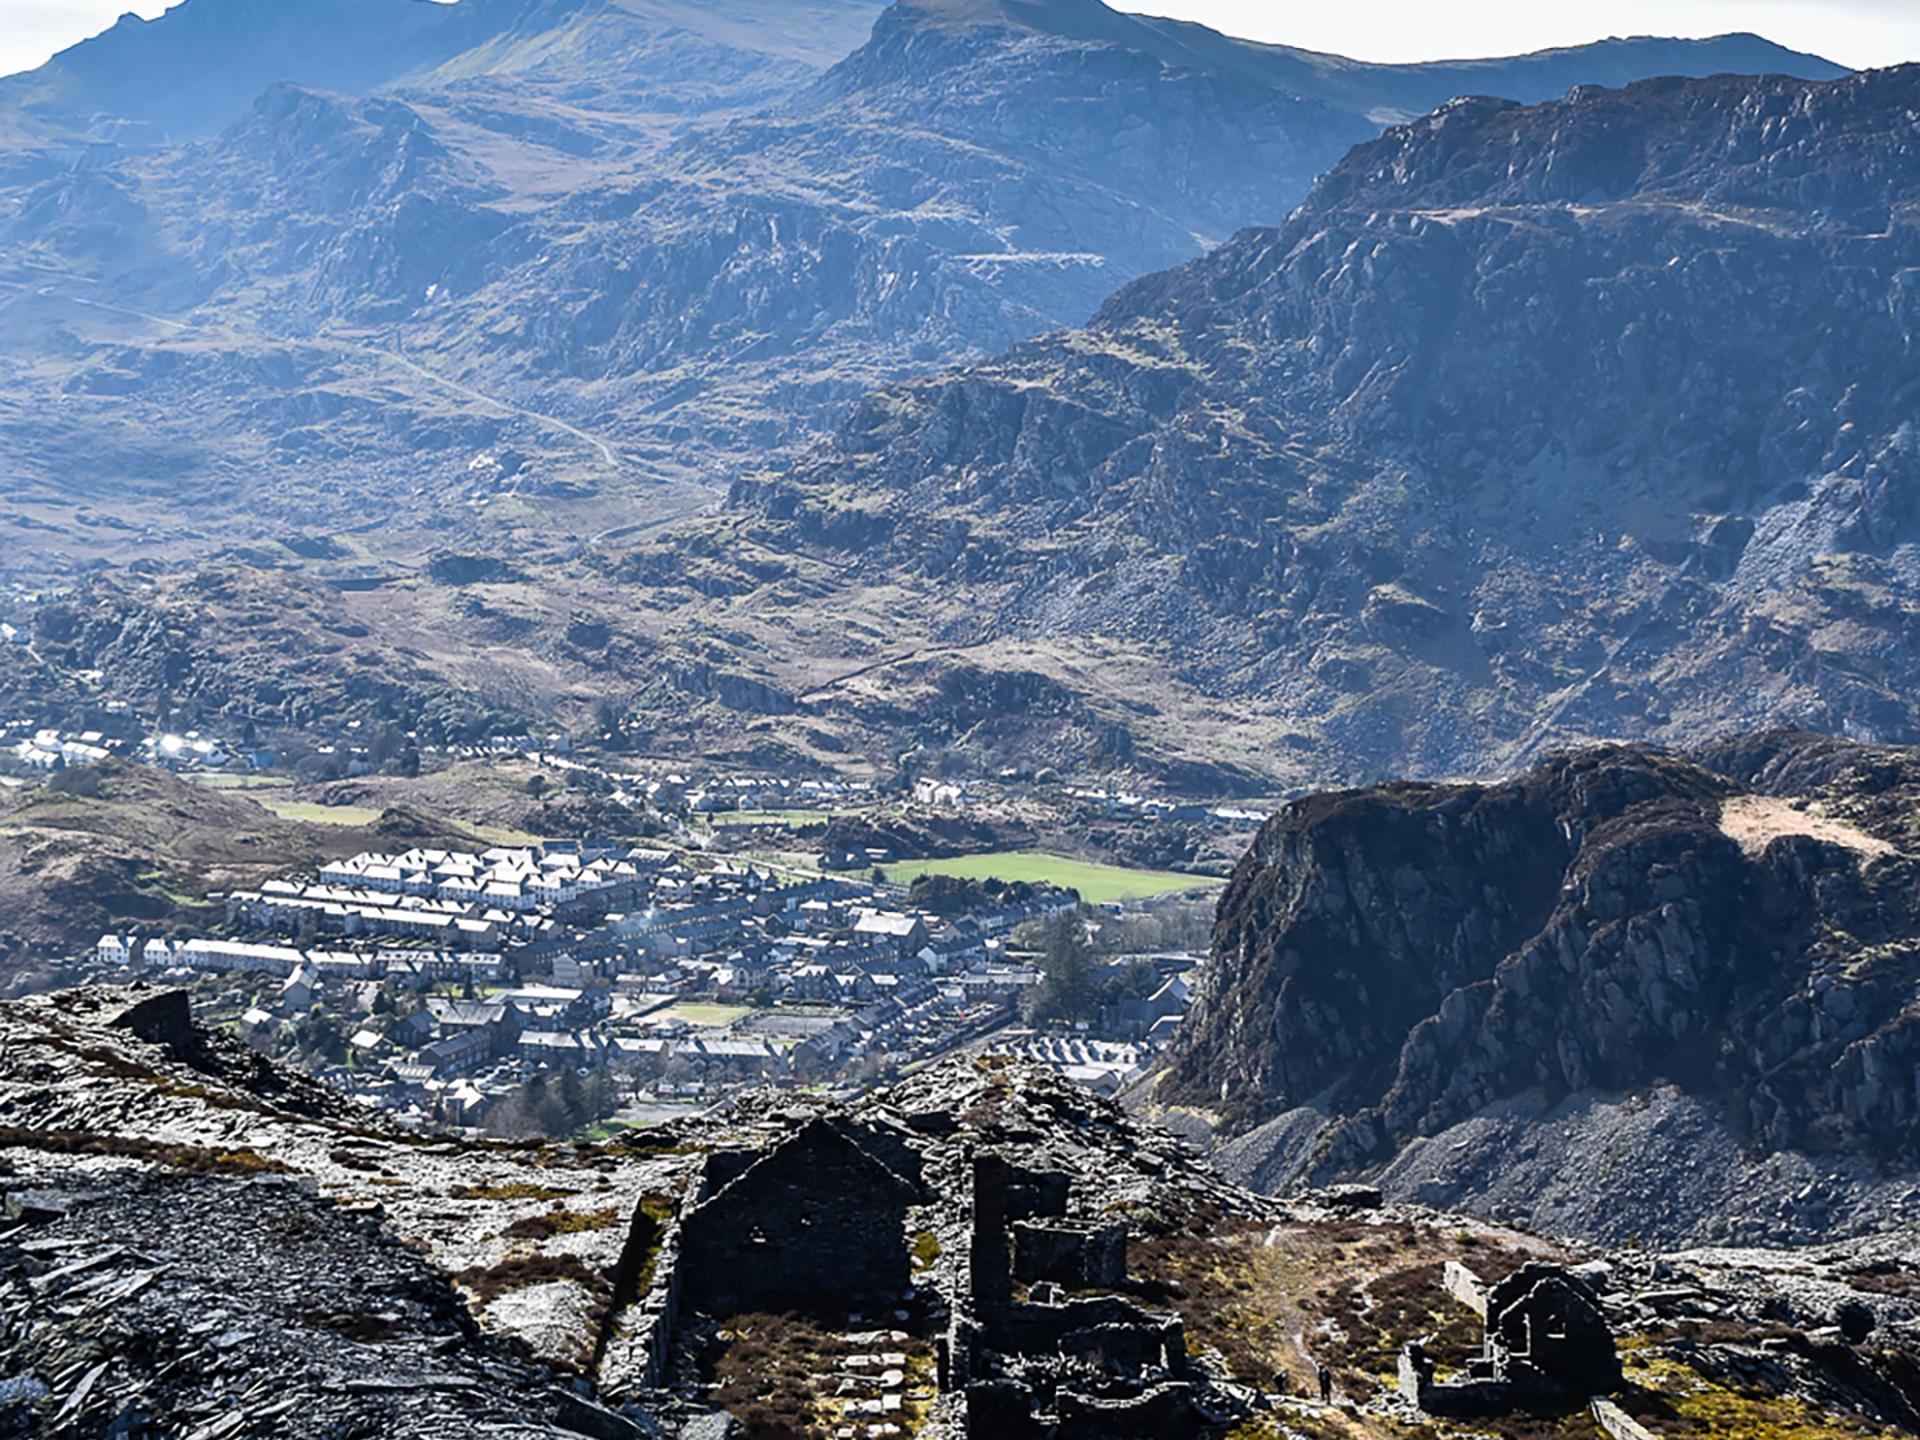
[954,720]
[485,335]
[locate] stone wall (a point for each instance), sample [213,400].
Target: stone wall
[1617,1423]
[814,1219]
[1081,1254]
[638,1343]
[1466,1287]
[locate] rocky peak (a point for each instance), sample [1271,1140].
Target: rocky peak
[1402,960]
[189,72]
[1833,152]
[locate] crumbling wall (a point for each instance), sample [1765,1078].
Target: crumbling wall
[637,1345]
[163,1018]
[814,1219]
[1032,1193]
[1617,1423]
[1081,1254]
[1547,1339]
[1550,1330]
[1466,1287]
[1154,1414]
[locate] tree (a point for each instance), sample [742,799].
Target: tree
[320,1037]
[573,1099]
[1068,990]
[384,744]
[600,1097]
[1137,980]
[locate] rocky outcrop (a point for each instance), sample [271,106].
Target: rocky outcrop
[161,645]
[179,1251]
[1472,456]
[1406,960]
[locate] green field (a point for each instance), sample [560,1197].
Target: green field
[241,782]
[1097,884]
[713,1016]
[322,814]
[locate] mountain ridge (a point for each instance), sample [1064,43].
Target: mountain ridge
[583,280]
[1347,469]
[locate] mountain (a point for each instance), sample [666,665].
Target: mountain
[1378,92]
[192,71]
[195,68]
[970,176]
[555,273]
[1628,993]
[1533,424]
[349,1273]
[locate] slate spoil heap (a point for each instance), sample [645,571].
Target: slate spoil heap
[149,1304]
[980,1250]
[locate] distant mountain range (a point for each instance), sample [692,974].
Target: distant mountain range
[320,290]
[668,222]
[194,70]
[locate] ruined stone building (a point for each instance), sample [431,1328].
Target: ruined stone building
[1547,1340]
[818,1217]
[1058,1363]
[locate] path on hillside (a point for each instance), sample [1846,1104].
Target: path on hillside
[397,356]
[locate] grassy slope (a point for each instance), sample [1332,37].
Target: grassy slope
[148,848]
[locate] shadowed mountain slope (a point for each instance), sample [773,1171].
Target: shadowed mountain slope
[561,274]
[1558,995]
[1584,419]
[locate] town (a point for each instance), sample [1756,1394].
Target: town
[733,926]
[579,986]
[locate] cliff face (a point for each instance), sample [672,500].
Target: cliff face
[1531,425]
[1739,929]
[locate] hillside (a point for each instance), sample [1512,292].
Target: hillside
[340,1271]
[192,71]
[121,845]
[1533,424]
[532,281]
[1628,993]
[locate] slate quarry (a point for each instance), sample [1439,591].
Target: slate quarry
[194,1245]
[1630,993]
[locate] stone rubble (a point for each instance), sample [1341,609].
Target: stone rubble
[180,1257]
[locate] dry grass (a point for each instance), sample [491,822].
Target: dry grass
[766,1371]
[1671,1399]
[777,1373]
[509,1190]
[560,1222]
[188,1159]
[1754,822]
[1276,1302]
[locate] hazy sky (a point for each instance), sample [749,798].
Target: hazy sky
[1854,32]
